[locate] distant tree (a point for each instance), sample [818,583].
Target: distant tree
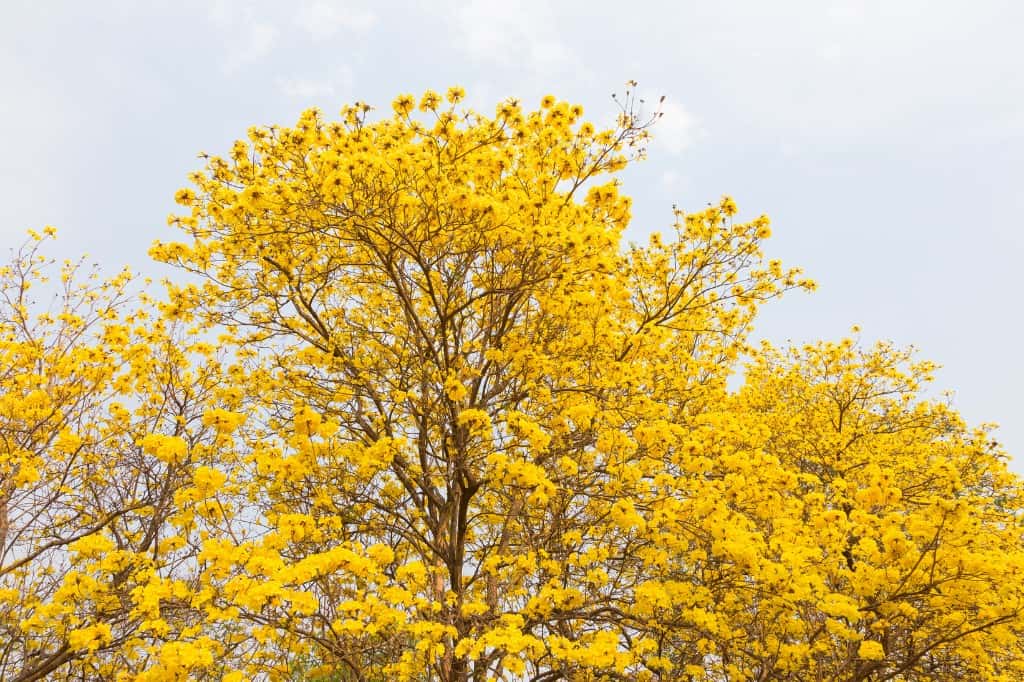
[101,433]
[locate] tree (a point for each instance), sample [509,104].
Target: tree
[101,434]
[905,527]
[456,432]
[461,362]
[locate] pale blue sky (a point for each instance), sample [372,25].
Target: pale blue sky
[885,139]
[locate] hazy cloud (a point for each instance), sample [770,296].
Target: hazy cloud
[672,181]
[677,130]
[337,85]
[322,19]
[515,33]
[246,38]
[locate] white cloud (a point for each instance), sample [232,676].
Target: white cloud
[335,86]
[846,11]
[831,52]
[515,33]
[305,88]
[246,39]
[488,28]
[548,56]
[322,18]
[677,130]
[220,12]
[673,182]
[256,42]
[252,29]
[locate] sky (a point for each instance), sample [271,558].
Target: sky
[884,139]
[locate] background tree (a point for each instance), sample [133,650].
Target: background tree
[101,432]
[909,524]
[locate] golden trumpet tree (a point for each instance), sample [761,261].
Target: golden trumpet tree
[473,391]
[106,439]
[902,537]
[454,430]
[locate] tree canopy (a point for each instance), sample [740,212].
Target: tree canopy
[413,411]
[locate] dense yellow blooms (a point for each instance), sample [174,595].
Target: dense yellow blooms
[101,438]
[416,414]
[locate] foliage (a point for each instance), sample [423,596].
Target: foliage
[414,413]
[105,446]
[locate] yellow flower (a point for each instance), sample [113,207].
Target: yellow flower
[455,94]
[871,650]
[403,104]
[430,101]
